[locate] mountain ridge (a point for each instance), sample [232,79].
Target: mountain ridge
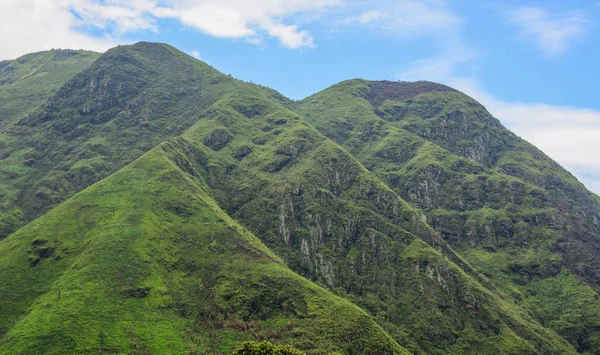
[438,181]
[324,187]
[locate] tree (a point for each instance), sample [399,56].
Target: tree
[265,348]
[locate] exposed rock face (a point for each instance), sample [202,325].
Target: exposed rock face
[217,139]
[380,91]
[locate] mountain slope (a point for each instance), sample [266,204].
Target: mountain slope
[128,101]
[336,223]
[146,261]
[26,83]
[440,150]
[147,239]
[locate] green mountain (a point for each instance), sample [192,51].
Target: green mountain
[512,212]
[145,261]
[151,204]
[26,83]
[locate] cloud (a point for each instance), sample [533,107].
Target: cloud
[371,16]
[118,16]
[245,19]
[409,19]
[455,54]
[553,34]
[289,35]
[367,17]
[196,54]
[32,25]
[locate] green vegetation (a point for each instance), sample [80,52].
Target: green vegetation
[30,80]
[131,99]
[173,209]
[486,191]
[26,83]
[265,348]
[145,260]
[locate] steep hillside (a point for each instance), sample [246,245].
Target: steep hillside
[146,262]
[128,101]
[441,151]
[333,221]
[164,254]
[28,81]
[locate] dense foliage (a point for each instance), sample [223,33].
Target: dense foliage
[265,348]
[176,209]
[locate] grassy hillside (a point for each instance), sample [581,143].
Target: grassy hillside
[28,81]
[336,223]
[161,255]
[440,150]
[128,101]
[146,262]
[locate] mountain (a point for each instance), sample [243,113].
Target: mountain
[509,210]
[152,204]
[26,83]
[145,261]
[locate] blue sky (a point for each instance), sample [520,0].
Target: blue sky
[534,64]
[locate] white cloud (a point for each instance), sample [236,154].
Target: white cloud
[196,54]
[245,19]
[122,16]
[553,34]
[367,17]
[455,54]
[409,18]
[32,25]
[371,16]
[289,35]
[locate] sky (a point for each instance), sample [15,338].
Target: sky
[533,64]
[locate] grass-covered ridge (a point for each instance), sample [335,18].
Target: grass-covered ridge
[28,81]
[242,196]
[479,185]
[146,261]
[128,101]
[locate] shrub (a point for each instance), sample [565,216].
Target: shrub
[266,348]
